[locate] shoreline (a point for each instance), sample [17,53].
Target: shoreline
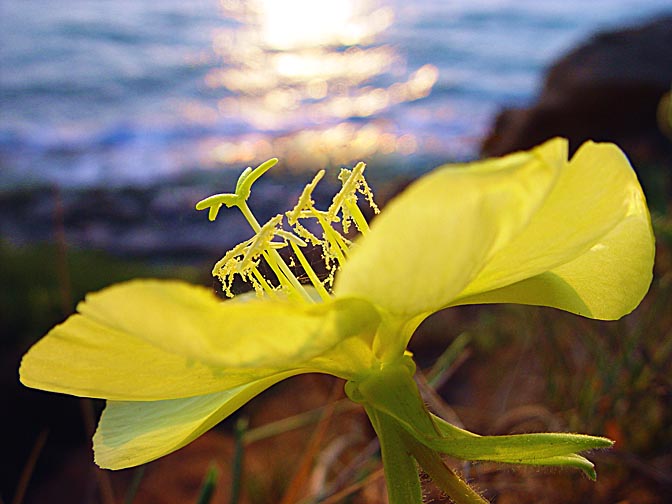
[157,223]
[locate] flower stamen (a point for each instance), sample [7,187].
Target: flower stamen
[345,201]
[244,258]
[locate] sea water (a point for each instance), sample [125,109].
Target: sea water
[132,92]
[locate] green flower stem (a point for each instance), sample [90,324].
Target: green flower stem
[400,451]
[393,404]
[401,472]
[442,475]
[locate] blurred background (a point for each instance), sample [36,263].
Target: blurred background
[126,92]
[117,116]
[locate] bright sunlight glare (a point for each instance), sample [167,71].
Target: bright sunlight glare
[309,66]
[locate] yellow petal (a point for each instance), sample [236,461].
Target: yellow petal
[589,250]
[606,282]
[150,340]
[431,241]
[191,321]
[83,357]
[132,433]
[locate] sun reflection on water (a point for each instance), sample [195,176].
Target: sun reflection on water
[310,79]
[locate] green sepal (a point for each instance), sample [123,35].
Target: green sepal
[541,449]
[393,392]
[573,460]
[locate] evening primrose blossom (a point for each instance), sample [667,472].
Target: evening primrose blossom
[173,360]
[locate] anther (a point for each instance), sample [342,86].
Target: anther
[244,259]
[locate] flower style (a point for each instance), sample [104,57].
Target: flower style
[173,360]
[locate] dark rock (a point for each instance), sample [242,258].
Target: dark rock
[608,89]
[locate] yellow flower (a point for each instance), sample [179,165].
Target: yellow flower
[173,360]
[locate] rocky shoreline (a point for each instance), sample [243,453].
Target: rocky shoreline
[156,223]
[614,87]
